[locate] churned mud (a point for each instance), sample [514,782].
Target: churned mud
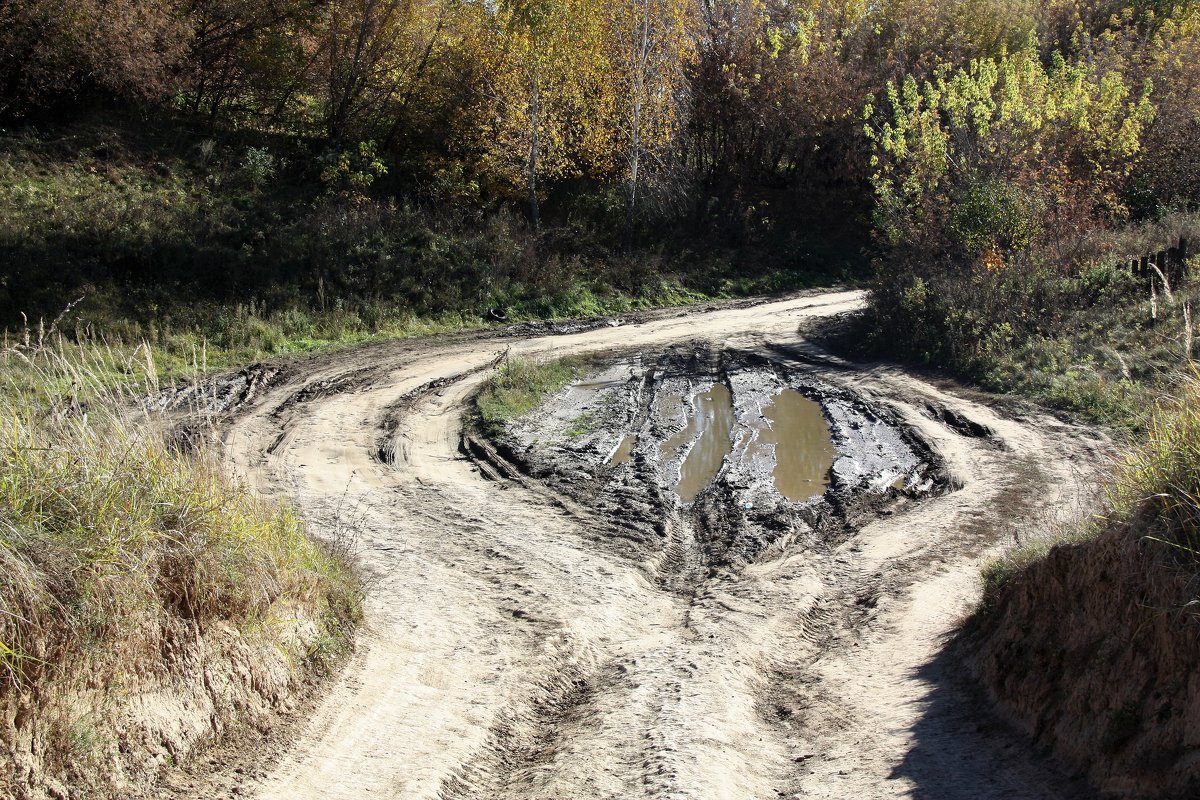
[748,454]
[722,566]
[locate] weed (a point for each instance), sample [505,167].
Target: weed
[519,385]
[115,547]
[1162,477]
[583,424]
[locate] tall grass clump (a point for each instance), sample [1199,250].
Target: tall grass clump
[120,554]
[1159,483]
[1153,494]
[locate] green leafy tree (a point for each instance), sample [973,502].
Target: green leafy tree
[1063,130]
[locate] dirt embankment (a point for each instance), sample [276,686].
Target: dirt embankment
[87,736]
[1092,651]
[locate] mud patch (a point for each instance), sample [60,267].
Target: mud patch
[624,452]
[795,429]
[724,455]
[705,439]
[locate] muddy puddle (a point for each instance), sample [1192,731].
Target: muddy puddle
[791,433]
[718,436]
[709,423]
[624,452]
[795,427]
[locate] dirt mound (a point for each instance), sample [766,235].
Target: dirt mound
[114,738]
[1092,651]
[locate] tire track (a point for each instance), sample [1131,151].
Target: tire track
[508,654]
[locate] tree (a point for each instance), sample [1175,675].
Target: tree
[545,94]
[1064,130]
[650,43]
[776,88]
[250,55]
[55,49]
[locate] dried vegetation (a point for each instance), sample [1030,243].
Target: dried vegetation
[147,601]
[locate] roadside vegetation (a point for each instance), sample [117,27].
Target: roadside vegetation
[519,385]
[125,564]
[1153,494]
[1011,193]
[1088,637]
[159,236]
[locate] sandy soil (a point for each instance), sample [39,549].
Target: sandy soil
[509,652]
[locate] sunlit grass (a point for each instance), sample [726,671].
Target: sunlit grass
[1154,492]
[519,385]
[109,536]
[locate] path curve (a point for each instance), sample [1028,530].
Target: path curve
[508,653]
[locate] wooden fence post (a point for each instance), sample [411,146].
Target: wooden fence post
[1171,264]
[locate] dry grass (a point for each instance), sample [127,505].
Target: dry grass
[1154,493]
[1161,479]
[114,547]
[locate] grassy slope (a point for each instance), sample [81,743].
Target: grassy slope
[1107,363]
[1085,634]
[148,601]
[1090,643]
[171,237]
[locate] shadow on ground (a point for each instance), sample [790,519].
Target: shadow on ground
[959,741]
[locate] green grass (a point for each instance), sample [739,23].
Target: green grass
[519,385]
[1082,336]
[217,338]
[583,425]
[1109,362]
[168,240]
[1161,479]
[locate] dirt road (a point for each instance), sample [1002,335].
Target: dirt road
[509,652]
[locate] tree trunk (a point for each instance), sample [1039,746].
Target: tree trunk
[534,113]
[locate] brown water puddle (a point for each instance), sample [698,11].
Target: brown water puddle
[624,452]
[804,451]
[709,424]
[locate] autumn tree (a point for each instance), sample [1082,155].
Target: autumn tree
[650,43]
[249,58]
[545,99]
[51,49]
[775,90]
[1168,172]
[1065,130]
[987,179]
